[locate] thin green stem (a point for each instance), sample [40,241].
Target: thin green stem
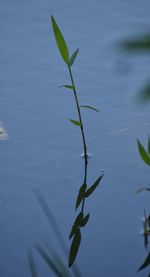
[79,114]
[82,130]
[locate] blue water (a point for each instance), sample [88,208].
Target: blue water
[43,148]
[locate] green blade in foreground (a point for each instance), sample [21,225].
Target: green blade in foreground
[148,145]
[73,57]
[144,155]
[141,43]
[62,46]
[144,94]
[90,107]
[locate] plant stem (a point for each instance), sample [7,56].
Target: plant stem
[80,118]
[82,130]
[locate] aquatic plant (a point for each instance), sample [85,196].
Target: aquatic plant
[84,191]
[145,156]
[136,45]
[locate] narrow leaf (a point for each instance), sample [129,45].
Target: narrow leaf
[142,189]
[148,145]
[137,44]
[146,262]
[89,107]
[85,220]
[62,46]
[144,155]
[93,187]
[74,247]
[66,86]
[76,224]
[73,57]
[75,122]
[81,195]
[144,94]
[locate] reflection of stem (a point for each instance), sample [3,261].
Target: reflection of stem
[82,130]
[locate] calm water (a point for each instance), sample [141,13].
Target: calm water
[43,149]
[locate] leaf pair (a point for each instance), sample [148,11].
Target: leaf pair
[83,193]
[80,221]
[145,155]
[62,46]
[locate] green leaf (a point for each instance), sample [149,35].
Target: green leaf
[137,44]
[93,187]
[76,224]
[85,220]
[146,262]
[67,86]
[62,46]
[144,155]
[73,57]
[148,145]
[74,247]
[89,107]
[81,195]
[75,122]
[144,94]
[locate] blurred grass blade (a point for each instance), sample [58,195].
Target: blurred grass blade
[54,267]
[74,247]
[73,57]
[81,195]
[93,187]
[51,219]
[67,86]
[141,43]
[144,155]
[90,107]
[62,46]
[144,94]
[76,224]
[32,264]
[75,122]
[146,262]
[63,268]
[148,145]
